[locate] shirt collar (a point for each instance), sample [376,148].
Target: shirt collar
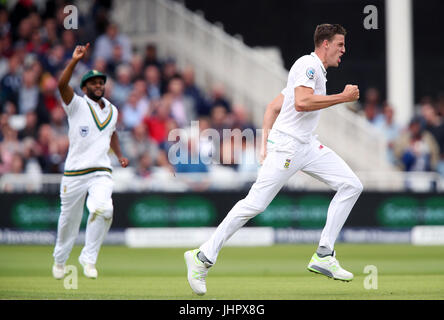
[313,54]
[95,104]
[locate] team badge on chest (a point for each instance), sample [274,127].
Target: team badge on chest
[84,130]
[287,163]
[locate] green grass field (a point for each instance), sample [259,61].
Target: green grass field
[263,273]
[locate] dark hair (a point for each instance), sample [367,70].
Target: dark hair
[327,32]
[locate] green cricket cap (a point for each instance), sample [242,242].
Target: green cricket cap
[92,74]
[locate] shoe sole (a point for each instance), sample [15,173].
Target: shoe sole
[189,283]
[324,272]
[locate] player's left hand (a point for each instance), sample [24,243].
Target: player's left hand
[123,162]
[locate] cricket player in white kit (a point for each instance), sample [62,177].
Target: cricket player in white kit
[92,124]
[291,146]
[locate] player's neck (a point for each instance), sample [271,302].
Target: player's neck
[322,56]
[99,101]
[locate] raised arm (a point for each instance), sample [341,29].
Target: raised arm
[66,92]
[271,113]
[306,100]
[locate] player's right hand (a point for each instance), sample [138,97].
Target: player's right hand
[80,51]
[351,93]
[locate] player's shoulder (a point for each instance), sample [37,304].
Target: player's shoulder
[304,61]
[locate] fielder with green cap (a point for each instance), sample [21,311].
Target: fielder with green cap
[92,132]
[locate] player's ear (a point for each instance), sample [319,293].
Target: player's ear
[84,89]
[326,43]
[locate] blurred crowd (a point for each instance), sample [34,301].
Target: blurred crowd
[153,96]
[419,146]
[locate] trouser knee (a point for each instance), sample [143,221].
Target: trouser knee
[353,186]
[104,210]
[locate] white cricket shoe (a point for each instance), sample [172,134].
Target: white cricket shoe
[197,272]
[329,266]
[58,271]
[89,270]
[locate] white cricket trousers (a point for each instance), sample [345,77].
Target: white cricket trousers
[285,156]
[73,191]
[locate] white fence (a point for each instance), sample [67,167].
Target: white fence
[223,179]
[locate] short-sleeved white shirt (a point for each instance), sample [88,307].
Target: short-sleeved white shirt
[307,71]
[90,131]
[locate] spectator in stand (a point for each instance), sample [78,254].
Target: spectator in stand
[192,160]
[36,44]
[440,105]
[31,127]
[49,32]
[219,119]
[29,97]
[46,145]
[157,122]
[371,108]
[435,125]
[17,167]
[9,108]
[145,165]
[25,30]
[133,112]
[144,101]
[115,61]
[151,56]
[17,163]
[169,71]
[8,146]
[417,149]
[106,42]
[54,62]
[153,81]
[5,25]
[100,64]
[122,86]
[21,10]
[140,143]
[11,82]
[137,67]
[59,122]
[218,97]
[241,119]
[391,131]
[69,43]
[49,91]
[181,107]
[6,48]
[191,90]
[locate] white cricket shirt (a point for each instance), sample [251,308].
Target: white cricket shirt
[307,71]
[90,130]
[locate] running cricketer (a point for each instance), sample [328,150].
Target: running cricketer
[92,124]
[292,146]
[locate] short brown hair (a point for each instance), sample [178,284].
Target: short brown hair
[327,32]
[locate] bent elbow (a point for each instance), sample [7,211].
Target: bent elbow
[299,106]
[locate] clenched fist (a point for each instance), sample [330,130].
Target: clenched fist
[80,52]
[351,93]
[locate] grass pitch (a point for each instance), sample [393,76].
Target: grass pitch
[260,273]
